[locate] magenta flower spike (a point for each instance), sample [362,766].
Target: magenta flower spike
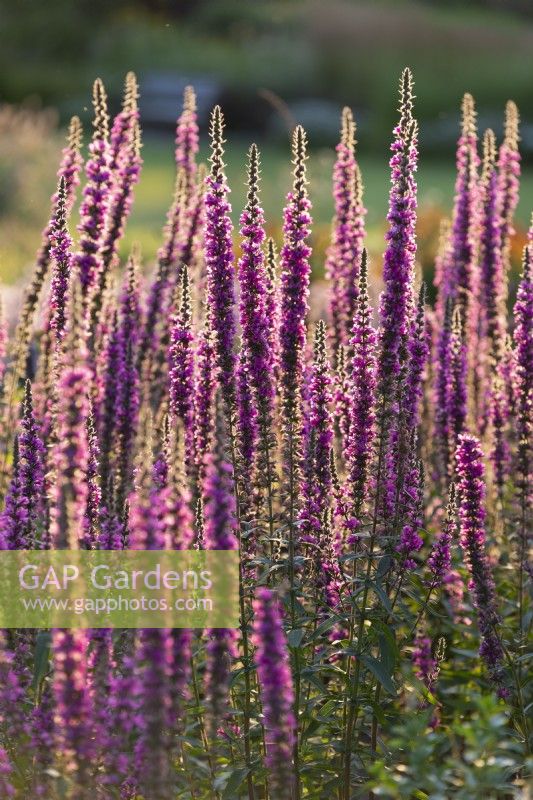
[466,218]
[204,398]
[457,393]
[7,789]
[440,558]
[220,533]
[181,364]
[413,504]
[61,255]
[93,510]
[295,275]
[362,398]
[256,362]
[492,275]
[471,492]
[43,743]
[187,140]
[70,455]
[277,695]
[32,467]
[127,399]
[72,704]
[344,253]
[219,262]
[96,198]
[14,517]
[417,358]
[318,443]
[396,300]
[523,390]
[443,379]
[509,175]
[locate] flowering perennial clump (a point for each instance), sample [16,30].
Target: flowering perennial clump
[373,468]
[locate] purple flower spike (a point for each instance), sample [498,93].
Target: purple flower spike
[457,393]
[277,696]
[523,390]
[443,381]
[344,253]
[471,492]
[318,443]
[295,274]
[96,197]
[413,504]
[362,399]
[32,455]
[440,558]
[92,518]
[219,262]
[396,299]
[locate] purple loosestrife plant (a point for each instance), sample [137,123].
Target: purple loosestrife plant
[276,690]
[43,741]
[7,789]
[396,299]
[96,197]
[219,263]
[417,353]
[443,379]
[93,509]
[471,492]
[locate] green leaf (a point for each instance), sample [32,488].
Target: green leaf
[295,637]
[379,670]
[325,712]
[384,566]
[236,777]
[41,662]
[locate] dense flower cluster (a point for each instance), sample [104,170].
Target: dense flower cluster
[209,407]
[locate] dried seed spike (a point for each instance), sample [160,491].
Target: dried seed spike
[406,98]
[359,187]
[216,132]
[468,110]
[131,92]
[252,197]
[511,128]
[489,154]
[348,129]
[189,99]
[101,116]
[299,157]
[75,134]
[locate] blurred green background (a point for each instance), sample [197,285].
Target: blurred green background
[268,62]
